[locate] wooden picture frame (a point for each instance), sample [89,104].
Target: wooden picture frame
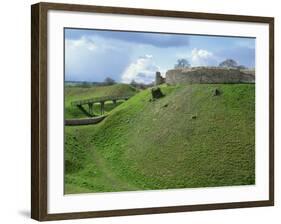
[39,108]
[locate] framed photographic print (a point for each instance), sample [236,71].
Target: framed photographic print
[139,111]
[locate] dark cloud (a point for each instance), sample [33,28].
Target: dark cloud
[154,39]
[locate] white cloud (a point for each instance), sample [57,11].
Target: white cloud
[92,59]
[142,70]
[84,43]
[201,57]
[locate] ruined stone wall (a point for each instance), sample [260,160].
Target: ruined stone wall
[209,75]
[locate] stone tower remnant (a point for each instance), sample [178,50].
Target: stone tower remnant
[159,79]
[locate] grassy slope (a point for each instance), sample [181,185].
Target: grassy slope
[189,138]
[73,93]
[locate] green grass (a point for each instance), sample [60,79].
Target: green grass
[73,93]
[189,138]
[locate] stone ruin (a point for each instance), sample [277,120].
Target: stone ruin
[206,75]
[159,79]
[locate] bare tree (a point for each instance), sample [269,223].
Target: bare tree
[182,63]
[228,63]
[109,81]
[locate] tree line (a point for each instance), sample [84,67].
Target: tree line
[228,63]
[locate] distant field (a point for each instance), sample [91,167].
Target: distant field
[73,93]
[189,138]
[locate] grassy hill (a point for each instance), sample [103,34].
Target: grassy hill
[73,93]
[189,138]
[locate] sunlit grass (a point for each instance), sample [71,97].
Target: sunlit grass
[189,138]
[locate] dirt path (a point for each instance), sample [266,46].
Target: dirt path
[108,174]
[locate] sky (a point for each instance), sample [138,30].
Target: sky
[92,55]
